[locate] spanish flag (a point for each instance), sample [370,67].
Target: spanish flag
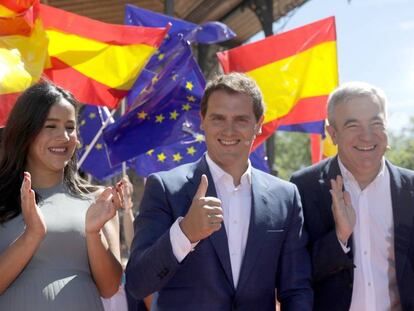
[97,62]
[296,70]
[23,51]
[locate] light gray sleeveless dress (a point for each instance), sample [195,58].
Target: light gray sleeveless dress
[58,275]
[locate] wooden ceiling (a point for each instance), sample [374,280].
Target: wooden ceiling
[234,13]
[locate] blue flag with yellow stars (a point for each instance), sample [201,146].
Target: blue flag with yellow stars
[97,162]
[165,112]
[189,150]
[207,33]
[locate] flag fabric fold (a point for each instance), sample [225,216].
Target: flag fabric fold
[296,70]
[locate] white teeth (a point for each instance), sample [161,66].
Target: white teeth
[58,150]
[228,142]
[367,148]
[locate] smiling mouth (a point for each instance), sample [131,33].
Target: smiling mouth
[227,142]
[59,151]
[365,148]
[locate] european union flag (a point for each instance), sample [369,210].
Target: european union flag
[188,150]
[164,113]
[97,162]
[207,33]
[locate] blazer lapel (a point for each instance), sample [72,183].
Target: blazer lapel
[257,229]
[219,238]
[402,198]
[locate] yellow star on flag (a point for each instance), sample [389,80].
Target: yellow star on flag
[174,77]
[159,118]
[191,98]
[161,157]
[161,56]
[186,107]
[98,146]
[92,115]
[142,115]
[189,85]
[199,138]
[150,152]
[174,115]
[191,150]
[83,122]
[177,157]
[154,80]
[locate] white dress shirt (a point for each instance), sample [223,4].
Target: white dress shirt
[236,205]
[375,283]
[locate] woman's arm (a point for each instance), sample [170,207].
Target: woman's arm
[102,240]
[19,253]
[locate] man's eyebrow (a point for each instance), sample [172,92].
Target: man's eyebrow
[348,121]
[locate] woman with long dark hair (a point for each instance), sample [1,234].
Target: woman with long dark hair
[59,245]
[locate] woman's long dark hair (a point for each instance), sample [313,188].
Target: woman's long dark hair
[24,124]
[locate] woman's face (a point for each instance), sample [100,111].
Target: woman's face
[56,142]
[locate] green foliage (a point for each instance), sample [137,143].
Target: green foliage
[402,147]
[292,153]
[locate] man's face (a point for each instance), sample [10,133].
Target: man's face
[359,130]
[230,128]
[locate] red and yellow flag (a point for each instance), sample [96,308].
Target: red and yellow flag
[295,70]
[97,62]
[23,51]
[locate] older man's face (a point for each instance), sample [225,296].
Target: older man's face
[359,130]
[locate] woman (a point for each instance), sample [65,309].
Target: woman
[52,253]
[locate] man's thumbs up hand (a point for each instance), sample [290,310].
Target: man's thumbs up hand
[204,216]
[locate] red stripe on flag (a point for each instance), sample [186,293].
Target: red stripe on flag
[306,110]
[277,47]
[316,151]
[7,102]
[85,89]
[63,21]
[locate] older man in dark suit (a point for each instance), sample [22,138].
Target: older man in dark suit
[359,210]
[218,234]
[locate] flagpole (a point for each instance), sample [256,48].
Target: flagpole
[95,139]
[123,104]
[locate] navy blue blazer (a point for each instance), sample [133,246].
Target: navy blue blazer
[332,268]
[275,255]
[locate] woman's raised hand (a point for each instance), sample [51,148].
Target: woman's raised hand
[104,208]
[33,217]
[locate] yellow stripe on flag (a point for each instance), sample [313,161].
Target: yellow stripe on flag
[307,74]
[5,12]
[328,148]
[22,60]
[116,66]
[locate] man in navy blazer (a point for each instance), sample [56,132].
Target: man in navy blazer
[359,211]
[218,234]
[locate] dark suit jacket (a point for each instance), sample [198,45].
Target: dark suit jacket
[332,268]
[275,255]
